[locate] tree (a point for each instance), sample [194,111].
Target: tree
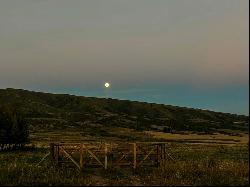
[13,128]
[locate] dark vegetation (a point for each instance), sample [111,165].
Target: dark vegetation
[57,111]
[13,129]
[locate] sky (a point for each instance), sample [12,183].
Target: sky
[191,53]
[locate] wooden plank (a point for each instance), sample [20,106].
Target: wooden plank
[52,153]
[67,154]
[57,154]
[134,149]
[170,156]
[43,158]
[93,155]
[106,157]
[149,143]
[146,156]
[123,156]
[164,156]
[158,155]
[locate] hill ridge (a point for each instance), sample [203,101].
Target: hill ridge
[118,113]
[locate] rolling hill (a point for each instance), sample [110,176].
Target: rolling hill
[46,111]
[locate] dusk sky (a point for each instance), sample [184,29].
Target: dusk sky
[191,53]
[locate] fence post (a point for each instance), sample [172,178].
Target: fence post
[157,155]
[164,155]
[106,156]
[52,151]
[57,153]
[134,150]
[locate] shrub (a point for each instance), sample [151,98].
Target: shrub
[13,128]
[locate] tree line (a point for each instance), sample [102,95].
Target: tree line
[13,129]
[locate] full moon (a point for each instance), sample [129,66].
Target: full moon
[106,84]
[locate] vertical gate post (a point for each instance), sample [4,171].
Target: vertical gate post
[164,155]
[134,150]
[106,156]
[157,156]
[161,154]
[52,151]
[57,153]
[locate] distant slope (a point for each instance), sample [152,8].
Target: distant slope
[57,111]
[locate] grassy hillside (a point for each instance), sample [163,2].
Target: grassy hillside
[45,111]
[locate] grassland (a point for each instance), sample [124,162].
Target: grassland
[204,139]
[19,168]
[199,164]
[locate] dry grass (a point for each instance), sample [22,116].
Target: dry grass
[18,168]
[43,138]
[206,138]
[199,165]
[209,172]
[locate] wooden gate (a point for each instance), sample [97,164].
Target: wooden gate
[109,155]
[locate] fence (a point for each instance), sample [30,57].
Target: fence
[109,155]
[136,155]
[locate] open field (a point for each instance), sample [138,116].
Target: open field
[215,138]
[19,168]
[118,133]
[43,138]
[194,163]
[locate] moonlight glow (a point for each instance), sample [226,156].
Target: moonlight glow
[106,84]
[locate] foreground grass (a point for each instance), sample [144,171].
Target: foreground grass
[19,168]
